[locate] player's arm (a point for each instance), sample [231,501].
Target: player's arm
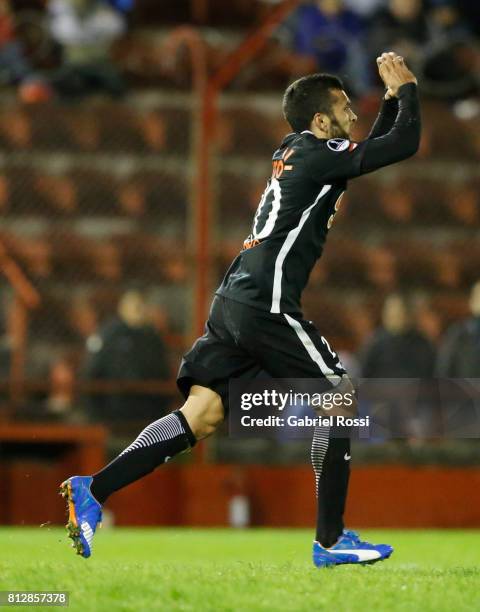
[385,119]
[388,111]
[396,76]
[329,163]
[402,141]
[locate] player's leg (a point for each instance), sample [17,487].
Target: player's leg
[159,442]
[312,357]
[289,347]
[203,380]
[330,456]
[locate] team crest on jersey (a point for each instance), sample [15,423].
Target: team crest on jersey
[338,144]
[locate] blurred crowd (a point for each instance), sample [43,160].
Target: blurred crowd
[405,347]
[345,37]
[79,33]
[69,54]
[127,346]
[131,346]
[439,39]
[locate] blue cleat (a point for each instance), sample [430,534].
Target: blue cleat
[84,513]
[350,549]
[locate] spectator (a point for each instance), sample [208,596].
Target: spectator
[86,29]
[60,400]
[398,349]
[125,6]
[365,8]
[401,26]
[14,67]
[459,355]
[451,59]
[445,21]
[127,349]
[427,318]
[471,11]
[326,36]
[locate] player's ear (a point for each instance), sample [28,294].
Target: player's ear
[321,123]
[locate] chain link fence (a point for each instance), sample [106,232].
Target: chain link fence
[95,204]
[96,201]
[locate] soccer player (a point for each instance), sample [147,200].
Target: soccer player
[255,322]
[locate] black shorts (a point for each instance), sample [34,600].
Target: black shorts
[245,342]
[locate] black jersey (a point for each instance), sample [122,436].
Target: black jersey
[298,206]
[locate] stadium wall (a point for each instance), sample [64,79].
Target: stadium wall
[398,496]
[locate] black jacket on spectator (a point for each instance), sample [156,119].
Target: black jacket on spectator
[459,355]
[386,31]
[124,353]
[404,355]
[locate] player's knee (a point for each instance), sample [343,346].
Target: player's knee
[208,418]
[203,411]
[345,403]
[212,416]
[347,390]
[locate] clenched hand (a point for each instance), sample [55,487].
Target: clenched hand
[394,73]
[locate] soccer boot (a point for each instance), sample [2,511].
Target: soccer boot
[350,549]
[84,513]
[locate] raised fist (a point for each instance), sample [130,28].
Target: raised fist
[394,73]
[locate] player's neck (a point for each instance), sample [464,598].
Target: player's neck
[319,133]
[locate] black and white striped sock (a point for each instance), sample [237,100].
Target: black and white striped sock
[156,444]
[331,463]
[319,450]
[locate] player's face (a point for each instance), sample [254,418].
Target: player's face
[342,117]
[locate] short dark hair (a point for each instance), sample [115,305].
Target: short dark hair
[307,96]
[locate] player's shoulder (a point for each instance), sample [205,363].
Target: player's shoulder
[331,145]
[309,144]
[290,140]
[307,153]
[301,140]
[308,140]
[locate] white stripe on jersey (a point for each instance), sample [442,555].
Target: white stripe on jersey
[312,350]
[287,245]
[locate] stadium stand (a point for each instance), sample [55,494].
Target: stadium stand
[98,204]
[95,196]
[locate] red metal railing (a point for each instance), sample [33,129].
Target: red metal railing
[245,53]
[26,298]
[191,39]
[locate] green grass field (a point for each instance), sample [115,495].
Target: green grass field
[220,570]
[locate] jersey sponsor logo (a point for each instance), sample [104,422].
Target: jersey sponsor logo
[338,144]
